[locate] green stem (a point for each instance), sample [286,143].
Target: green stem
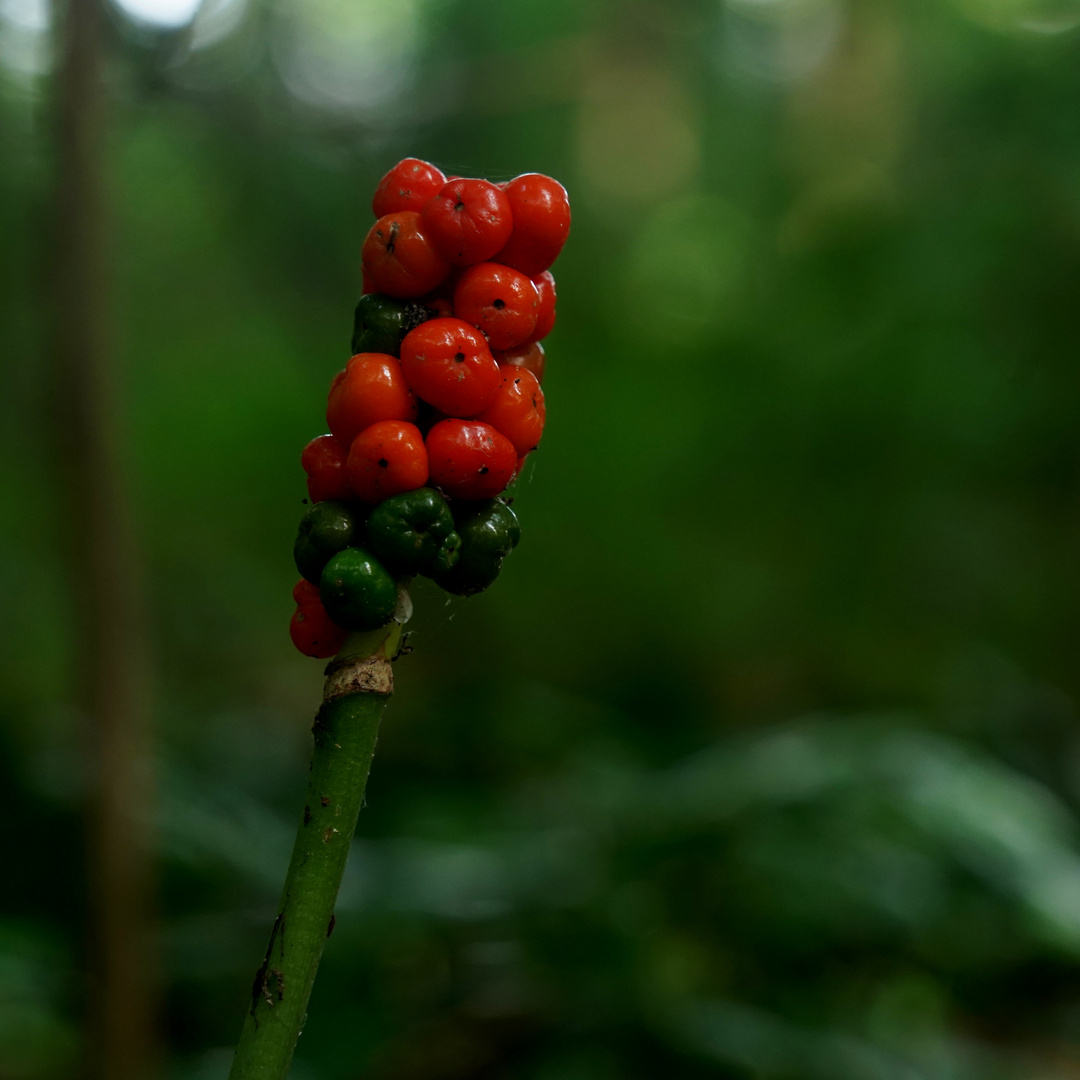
[359,683]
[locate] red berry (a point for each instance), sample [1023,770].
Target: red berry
[518,410]
[467,221]
[545,313]
[311,629]
[500,301]
[407,186]
[371,388]
[470,459]
[303,591]
[448,363]
[323,459]
[529,356]
[385,459]
[398,258]
[541,211]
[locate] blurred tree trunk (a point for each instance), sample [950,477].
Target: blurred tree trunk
[106,591]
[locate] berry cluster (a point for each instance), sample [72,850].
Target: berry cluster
[440,404]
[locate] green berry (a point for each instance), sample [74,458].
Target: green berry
[413,532]
[357,591]
[327,528]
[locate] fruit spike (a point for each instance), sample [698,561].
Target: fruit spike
[440,403]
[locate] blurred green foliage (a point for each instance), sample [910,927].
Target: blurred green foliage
[761,759]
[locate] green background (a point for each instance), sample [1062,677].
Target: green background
[761,759]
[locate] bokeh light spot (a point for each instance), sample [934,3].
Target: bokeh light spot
[344,55]
[166,14]
[24,37]
[686,268]
[1032,16]
[779,40]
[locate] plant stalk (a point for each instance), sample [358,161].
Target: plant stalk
[359,684]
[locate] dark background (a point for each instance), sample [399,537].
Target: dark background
[761,759]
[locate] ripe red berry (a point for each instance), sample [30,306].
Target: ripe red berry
[385,459]
[518,410]
[500,301]
[545,313]
[407,186]
[448,363]
[541,211]
[529,356]
[467,221]
[399,259]
[323,459]
[303,591]
[312,631]
[469,459]
[371,388]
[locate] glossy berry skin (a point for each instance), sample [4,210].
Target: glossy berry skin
[323,459]
[529,356]
[518,410]
[312,630]
[371,388]
[469,459]
[467,221]
[449,365]
[398,258]
[407,186]
[489,532]
[327,528]
[386,458]
[545,313]
[501,302]
[357,591]
[541,211]
[413,533]
[380,322]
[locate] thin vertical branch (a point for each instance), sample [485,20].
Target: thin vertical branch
[106,591]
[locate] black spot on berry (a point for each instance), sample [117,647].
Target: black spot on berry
[483,469]
[383,463]
[498,305]
[459,357]
[395,227]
